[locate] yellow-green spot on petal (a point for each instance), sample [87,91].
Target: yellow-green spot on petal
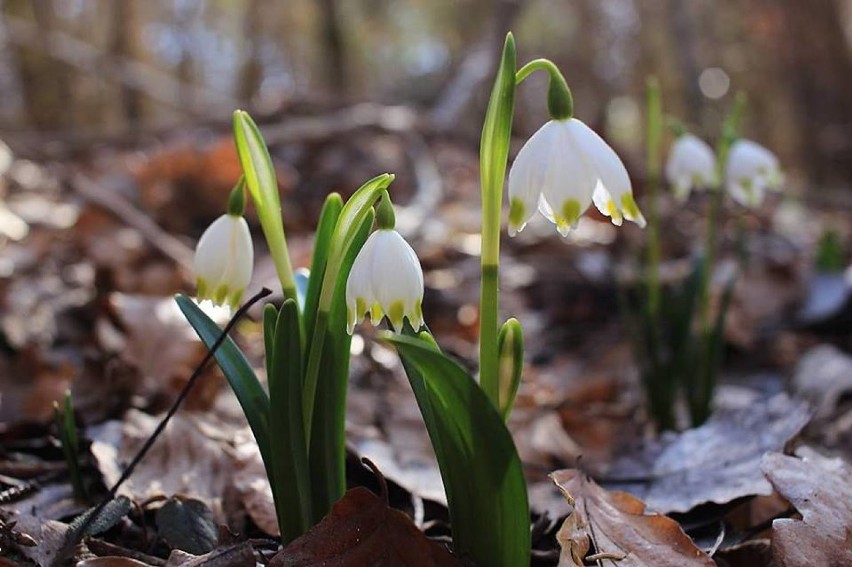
[376,313]
[351,318]
[517,212]
[201,286]
[631,210]
[613,212]
[360,307]
[220,294]
[234,299]
[396,312]
[571,211]
[418,315]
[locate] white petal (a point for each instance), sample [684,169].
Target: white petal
[210,261]
[397,275]
[527,176]
[750,164]
[691,164]
[606,163]
[359,283]
[611,173]
[569,181]
[224,258]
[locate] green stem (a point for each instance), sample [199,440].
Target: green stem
[729,133]
[655,130]
[560,102]
[493,157]
[488,331]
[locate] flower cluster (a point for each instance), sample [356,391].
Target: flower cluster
[750,170]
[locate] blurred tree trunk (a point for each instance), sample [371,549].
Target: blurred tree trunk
[123,43]
[251,73]
[333,47]
[815,58]
[683,32]
[45,82]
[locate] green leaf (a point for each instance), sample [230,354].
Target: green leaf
[359,205]
[480,467]
[263,186]
[237,371]
[286,428]
[328,440]
[322,242]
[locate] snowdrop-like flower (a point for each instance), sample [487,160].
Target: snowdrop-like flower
[691,165]
[561,170]
[750,171]
[224,259]
[386,279]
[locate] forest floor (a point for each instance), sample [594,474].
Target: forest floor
[95,244]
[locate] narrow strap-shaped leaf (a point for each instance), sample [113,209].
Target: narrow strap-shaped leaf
[238,372]
[325,229]
[263,186]
[288,450]
[328,440]
[270,319]
[480,467]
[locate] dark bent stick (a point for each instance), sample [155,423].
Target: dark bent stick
[75,536]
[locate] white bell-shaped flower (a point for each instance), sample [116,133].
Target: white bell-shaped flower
[386,279]
[751,170]
[224,258]
[561,170]
[691,165]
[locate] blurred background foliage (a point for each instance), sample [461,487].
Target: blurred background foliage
[85,69]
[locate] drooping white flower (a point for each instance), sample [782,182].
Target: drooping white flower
[691,165]
[751,170]
[224,258]
[561,170]
[386,279]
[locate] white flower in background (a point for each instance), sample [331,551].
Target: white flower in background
[751,170]
[386,279]
[691,165]
[561,170]
[224,258]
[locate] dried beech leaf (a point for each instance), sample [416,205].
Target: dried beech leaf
[239,555]
[821,490]
[252,486]
[188,458]
[620,527]
[362,530]
[573,539]
[717,462]
[112,561]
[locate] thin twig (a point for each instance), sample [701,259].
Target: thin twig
[75,536]
[127,212]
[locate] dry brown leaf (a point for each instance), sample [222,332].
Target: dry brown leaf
[573,539]
[717,462]
[238,555]
[362,530]
[112,561]
[162,346]
[49,536]
[821,490]
[187,459]
[252,486]
[618,526]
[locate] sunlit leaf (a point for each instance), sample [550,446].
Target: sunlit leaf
[480,468]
